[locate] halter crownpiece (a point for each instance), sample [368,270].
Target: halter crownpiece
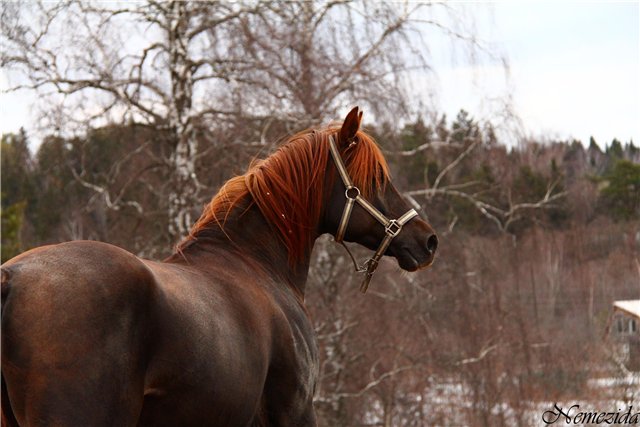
[392,227]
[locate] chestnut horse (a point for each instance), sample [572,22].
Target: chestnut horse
[217,334]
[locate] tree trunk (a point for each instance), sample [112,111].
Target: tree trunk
[183,191]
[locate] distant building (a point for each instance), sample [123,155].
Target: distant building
[624,330]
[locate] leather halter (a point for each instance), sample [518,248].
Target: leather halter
[392,227]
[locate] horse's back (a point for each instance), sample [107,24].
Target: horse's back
[74,331]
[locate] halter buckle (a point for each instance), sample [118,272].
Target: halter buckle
[393,228]
[370,265]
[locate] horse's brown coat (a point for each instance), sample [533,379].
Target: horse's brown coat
[216,335]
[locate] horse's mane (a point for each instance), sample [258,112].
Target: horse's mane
[288,185]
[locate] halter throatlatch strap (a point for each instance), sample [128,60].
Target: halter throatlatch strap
[392,227]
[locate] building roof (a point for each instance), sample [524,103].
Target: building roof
[630,307]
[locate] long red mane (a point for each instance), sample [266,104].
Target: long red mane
[288,185]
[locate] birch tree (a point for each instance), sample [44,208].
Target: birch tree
[309,59]
[153,63]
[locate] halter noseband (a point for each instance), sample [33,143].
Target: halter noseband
[392,227]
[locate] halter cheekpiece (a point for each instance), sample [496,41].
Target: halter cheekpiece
[392,227]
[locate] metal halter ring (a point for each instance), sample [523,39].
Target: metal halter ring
[346,192]
[393,228]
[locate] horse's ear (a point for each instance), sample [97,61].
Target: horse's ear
[350,126]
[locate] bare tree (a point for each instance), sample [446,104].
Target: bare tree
[176,66]
[447,184]
[296,69]
[179,67]
[309,59]
[154,63]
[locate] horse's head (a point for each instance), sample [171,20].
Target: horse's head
[372,212]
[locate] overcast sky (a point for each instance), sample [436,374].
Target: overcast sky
[574,71]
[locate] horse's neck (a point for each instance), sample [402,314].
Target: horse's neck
[247,233]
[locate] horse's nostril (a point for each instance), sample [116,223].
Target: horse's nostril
[432,243]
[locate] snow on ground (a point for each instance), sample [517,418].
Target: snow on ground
[448,402]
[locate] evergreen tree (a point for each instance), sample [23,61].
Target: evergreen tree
[17,167]
[415,169]
[621,196]
[17,191]
[615,151]
[464,128]
[12,224]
